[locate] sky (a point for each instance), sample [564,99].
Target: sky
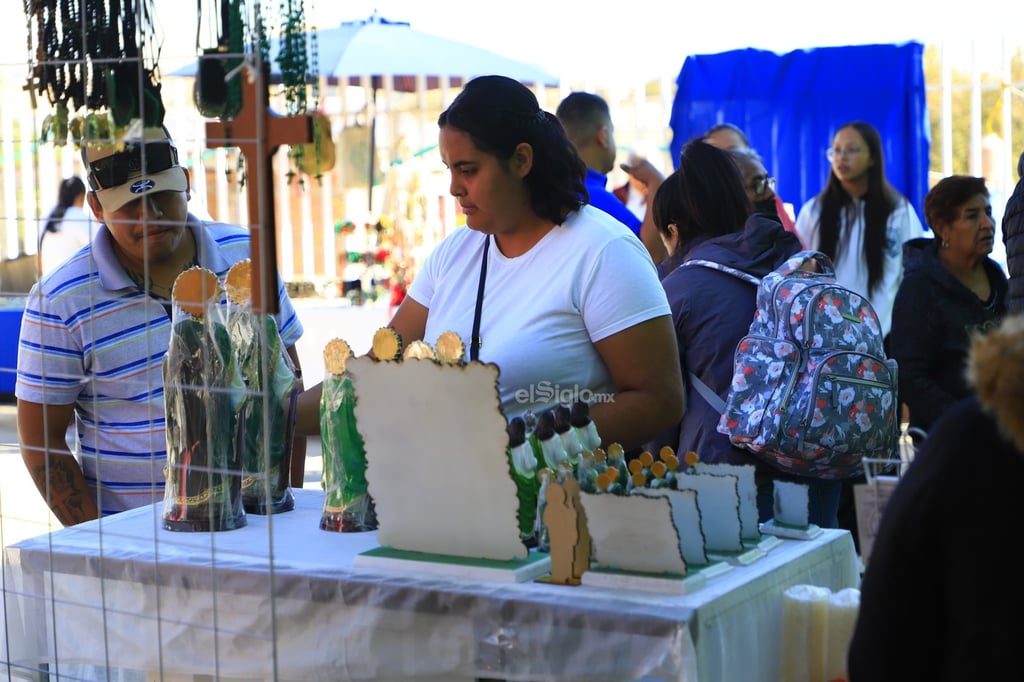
[604,41]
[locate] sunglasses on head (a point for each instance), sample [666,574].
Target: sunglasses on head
[135,159]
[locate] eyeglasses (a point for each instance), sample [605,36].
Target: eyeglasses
[116,169]
[847,153]
[760,184]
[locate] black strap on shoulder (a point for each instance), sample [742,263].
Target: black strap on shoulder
[474,342]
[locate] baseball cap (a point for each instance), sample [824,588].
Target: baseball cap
[124,170]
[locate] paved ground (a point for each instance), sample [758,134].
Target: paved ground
[22,510]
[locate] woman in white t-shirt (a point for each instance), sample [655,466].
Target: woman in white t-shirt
[68,228]
[570,305]
[861,221]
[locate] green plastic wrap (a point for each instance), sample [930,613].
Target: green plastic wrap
[203,391]
[266,445]
[348,506]
[527,488]
[523,466]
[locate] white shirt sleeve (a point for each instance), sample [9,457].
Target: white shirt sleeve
[903,225]
[807,224]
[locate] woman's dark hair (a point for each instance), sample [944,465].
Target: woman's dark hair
[704,197]
[69,191]
[731,127]
[944,201]
[498,113]
[879,203]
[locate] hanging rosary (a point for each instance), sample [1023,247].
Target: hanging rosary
[299,68]
[215,94]
[93,55]
[241,36]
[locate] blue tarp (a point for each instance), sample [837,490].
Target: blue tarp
[790,105]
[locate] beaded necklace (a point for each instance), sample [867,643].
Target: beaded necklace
[94,54]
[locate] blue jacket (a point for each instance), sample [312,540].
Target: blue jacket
[712,311]
[601,198]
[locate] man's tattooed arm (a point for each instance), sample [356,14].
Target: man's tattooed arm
[62,485]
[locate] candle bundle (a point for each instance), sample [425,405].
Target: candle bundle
[816,629]
[842,617]
[804,612]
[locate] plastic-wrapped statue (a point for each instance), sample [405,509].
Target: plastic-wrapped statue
[203,391]
[524,471]
[584,427]
[552,451]
[348,506]
[266,445]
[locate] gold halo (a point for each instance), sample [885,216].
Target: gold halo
[195,289]
[450,348]
[419,350]
[239,282]
[336,355]
[387,344]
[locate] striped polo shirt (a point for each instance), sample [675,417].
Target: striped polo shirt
[90,337]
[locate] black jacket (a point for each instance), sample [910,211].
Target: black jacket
[1013,239]
[932,319]
[940,600]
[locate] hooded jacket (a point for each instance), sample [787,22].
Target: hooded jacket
[712,311]
[1013,240]
[940,598]
[933,318]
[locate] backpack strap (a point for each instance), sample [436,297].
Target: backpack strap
[712,265]
[712,398]
[794,263]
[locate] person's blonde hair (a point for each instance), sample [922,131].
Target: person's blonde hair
[996,369]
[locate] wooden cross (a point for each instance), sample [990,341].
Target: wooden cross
[258,132]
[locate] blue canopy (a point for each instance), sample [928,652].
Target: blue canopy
[790,105]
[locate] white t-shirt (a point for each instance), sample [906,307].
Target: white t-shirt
[851,269]
[74,231]
[586,280]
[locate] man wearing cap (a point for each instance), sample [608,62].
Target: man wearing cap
[96,329]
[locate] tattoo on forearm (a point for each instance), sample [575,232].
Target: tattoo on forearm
[56,483]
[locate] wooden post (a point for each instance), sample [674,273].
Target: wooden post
[258,132]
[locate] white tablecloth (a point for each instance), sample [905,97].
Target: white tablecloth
[123,592]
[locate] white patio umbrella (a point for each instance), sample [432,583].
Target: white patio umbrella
[378,47]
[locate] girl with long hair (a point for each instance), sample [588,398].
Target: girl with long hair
[860,220]
[68,227]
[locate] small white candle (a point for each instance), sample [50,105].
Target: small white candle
[804,610]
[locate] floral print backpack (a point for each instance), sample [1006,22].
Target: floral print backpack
[812,392]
